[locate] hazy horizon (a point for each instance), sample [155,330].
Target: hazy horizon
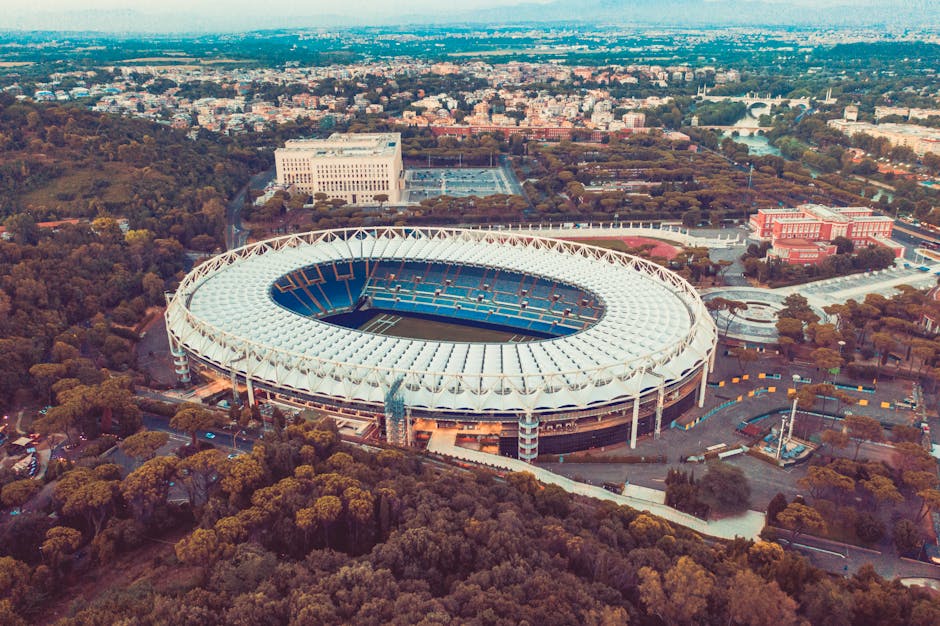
[169,16]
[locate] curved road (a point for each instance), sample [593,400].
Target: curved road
[235,236]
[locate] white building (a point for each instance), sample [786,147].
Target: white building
[351,167]
[634,119]
[920,139]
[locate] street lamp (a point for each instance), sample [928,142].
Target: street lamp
[783,422]
[796,379]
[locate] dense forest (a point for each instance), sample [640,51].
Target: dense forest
[143,192]
[306,530]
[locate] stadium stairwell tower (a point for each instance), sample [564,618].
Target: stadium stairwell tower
[180,359]
[528,437]
[397,428]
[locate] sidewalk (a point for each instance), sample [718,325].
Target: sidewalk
[747,525]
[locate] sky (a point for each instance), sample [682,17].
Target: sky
[227,15]
[311,7]
[298,7]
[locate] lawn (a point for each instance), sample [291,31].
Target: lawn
[433,330]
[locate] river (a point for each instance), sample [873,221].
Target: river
[758,145]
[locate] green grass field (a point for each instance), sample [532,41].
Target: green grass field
[432,330]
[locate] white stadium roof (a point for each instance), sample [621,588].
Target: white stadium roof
[654,329]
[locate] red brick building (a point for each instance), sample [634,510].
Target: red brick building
[803,234]
[801,251]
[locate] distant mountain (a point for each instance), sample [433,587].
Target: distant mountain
[664,13]
[915,13]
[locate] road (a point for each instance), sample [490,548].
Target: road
[235,236]
[844,559]
[221,438]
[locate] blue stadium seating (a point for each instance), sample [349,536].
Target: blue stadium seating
[475,294]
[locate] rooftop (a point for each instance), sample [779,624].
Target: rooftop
[347,145]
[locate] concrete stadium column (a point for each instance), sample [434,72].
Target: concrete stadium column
[701,393]
[528,437]
[180,362]
[235,399]
[409,428]
[634,425]
[251,390]
[660,398]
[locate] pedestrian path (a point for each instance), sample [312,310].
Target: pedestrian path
[747,525]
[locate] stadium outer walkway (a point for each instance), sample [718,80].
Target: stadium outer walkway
[747,525]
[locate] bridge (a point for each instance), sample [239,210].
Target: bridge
[752,98]
[743,131]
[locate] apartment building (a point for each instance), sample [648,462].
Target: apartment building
[920,139]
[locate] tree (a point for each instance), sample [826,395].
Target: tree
[60,542]
[869,528]
[883,489]
[835,439]
[903,433]
[679,596]
[730,307]
[19,492]
[862,428]
[753,601]
[202,548]
[241,476]
[819,480]
[191,418]
[199,472]
[726,486]
[93,406]
[907,537]
[776,504]
[799,518]
[790,327]
[147,487]
[733,308]
[843,245]
[144,445]
[930,499]
[826,359]
[94,500]
[745,356]
[884,343]
[796,306]
[45,374]
[912,457]
[22,228]
[326,510]
[14,581]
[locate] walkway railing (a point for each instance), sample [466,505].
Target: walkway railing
[618,229]
[747,525]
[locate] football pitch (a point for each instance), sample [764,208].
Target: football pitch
[433,330]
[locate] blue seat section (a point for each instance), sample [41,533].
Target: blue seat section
[467,292]
[322,289]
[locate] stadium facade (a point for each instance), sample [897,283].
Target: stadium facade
[614,346]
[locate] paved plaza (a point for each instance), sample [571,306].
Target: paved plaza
[421,184]
[756,323]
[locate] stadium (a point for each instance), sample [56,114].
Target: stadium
[534,345]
